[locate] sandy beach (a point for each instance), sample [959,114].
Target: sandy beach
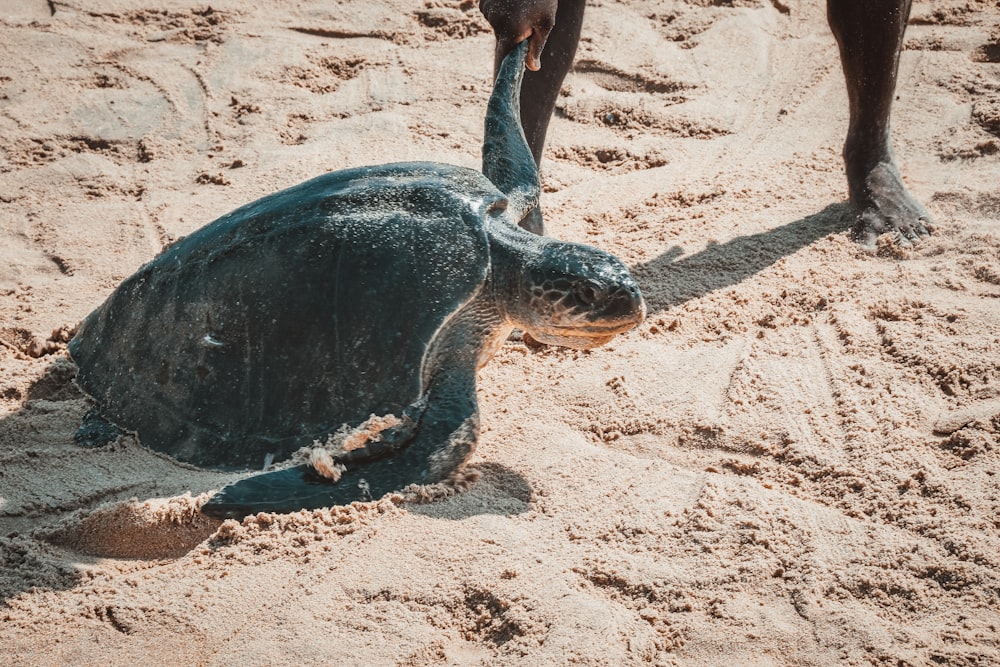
[795,459]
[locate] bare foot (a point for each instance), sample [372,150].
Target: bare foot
[886,207]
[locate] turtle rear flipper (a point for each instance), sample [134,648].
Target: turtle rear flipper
[96,431]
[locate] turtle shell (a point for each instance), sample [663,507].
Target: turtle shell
[291,316]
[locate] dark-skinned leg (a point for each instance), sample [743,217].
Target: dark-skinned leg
[870,36]
[540,89]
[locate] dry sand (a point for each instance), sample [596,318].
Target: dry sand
[794,461]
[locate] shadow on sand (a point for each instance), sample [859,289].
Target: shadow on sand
[670,280]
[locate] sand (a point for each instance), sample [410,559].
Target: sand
[793,461]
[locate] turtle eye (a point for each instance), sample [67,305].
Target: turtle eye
[589,292]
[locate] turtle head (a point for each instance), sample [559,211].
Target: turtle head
[574,295]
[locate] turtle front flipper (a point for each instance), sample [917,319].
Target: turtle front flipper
[445,427]
[507,160]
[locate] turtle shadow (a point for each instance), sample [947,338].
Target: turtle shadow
[28,564]
[26,561]
[499,491]
[670,279]
[59,500]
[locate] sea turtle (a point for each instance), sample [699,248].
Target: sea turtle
[370,291]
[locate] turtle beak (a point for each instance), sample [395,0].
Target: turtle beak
[610,302]
[622,304]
